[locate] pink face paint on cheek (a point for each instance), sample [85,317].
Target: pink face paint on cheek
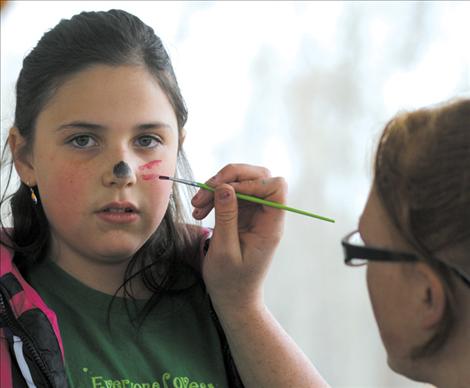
[149,166]
[149,177]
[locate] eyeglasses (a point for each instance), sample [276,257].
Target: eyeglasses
[356,253]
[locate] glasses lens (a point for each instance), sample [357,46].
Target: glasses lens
[356,239]
[355,262]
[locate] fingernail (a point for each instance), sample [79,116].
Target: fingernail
[224,195]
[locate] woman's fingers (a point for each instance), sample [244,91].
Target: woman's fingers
[225,235]
[199,213]
[271,189]
[246,179]
[240,172]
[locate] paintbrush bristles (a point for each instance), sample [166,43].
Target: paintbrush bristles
[164,177]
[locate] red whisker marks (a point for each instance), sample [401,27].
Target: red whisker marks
[149,165]
[149,177]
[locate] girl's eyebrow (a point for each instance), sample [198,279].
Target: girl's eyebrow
[81,125]
[99,127]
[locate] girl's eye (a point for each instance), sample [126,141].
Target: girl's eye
[83,141]
[148,141]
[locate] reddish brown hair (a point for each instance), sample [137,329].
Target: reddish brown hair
[422,176]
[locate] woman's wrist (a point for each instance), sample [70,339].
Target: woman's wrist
[232,310]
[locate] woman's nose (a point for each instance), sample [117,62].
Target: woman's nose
[121,175]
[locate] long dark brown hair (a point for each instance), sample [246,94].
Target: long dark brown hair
[422,175]
[113,38]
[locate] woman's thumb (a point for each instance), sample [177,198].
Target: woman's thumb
[226,214]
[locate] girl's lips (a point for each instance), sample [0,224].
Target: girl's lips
[121,206]
[119,213]
[118,217]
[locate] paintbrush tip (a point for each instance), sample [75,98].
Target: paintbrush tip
[164,177]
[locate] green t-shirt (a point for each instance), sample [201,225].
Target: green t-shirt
[177,345]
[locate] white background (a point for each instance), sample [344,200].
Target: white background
[303,88]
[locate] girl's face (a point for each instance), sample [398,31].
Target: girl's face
[99,117]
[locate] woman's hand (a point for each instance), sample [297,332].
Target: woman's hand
[242,246]
[245,234]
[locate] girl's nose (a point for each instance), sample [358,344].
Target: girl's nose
[121,175]
[122,170]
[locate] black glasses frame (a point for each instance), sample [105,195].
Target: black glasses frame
[352,251]
[365,254]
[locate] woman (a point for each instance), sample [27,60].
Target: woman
[414,236]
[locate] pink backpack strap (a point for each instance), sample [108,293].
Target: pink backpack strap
[5,363]
[25,297]
[29,331]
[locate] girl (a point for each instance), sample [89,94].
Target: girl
[103,282]
[415,230]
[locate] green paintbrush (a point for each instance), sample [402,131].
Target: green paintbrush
[249,198]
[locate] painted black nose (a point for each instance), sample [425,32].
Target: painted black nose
[122,170]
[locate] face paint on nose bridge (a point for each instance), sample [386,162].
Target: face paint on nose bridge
[122,170]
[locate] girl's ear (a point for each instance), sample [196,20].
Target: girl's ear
[431,294]
[21,157]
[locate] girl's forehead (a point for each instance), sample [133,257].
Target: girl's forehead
[102,70]
[108,95]
[112,82]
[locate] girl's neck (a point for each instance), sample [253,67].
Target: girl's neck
[101,275]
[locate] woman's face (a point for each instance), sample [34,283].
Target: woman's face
[390,289]
[99,117]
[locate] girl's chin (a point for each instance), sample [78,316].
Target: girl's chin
[116,252]
[121,243]
[118,255]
